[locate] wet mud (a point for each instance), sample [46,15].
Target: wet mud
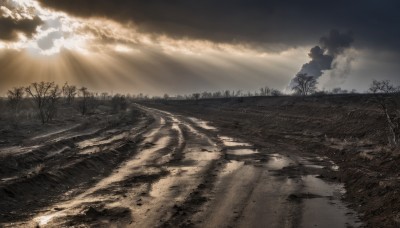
[165,170]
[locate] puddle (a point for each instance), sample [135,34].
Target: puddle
[328,210]
[278,161]
[201,123]
[314,166]
[242,152]
[315,185]
[44,220]
[335,168]
[228,141]
[307,163]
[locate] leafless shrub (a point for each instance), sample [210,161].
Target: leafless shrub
[339,90]
[265,91]
[387,96]
[196,96]
[275,92]
[46,96]
[87,101]
[104,96]
[15,96]
[69,93]
[119,103]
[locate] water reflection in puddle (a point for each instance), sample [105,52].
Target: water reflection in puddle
[327,210]
[314,185]
[335,168]
[314,166]
[232,142]
[201,123]
[278,161]
[241,151]
[44,220]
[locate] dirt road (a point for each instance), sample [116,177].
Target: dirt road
[171,171]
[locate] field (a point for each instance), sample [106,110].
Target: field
[287,161]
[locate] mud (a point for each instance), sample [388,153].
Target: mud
[169,169]
[328,138]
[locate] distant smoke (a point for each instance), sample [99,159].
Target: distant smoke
[323,56]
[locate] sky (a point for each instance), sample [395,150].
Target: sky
[184,46]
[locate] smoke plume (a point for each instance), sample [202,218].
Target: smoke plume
[324,55]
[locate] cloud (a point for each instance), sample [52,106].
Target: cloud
[47,42]
[10,27]
[14,21]
[289,23]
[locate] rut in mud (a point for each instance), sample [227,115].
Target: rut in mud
[171,171]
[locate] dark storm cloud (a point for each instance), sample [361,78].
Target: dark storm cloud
[290,22]
[10,27]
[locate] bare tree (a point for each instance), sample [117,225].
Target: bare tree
[275,92]
[84,100]
[238,93]
[69,92]
[265,91]
[119,103]
[387,96]
[104,96]
[227,93]
[217,94]
[206,95]
[304,84]
[196,96]
[15,96]
[46,96]
[382,87]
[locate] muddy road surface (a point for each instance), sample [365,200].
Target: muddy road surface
[165,170]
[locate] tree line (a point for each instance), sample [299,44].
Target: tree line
[48,96]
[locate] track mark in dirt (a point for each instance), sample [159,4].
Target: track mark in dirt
[182,173]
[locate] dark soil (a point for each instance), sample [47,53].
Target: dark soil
[349,129]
